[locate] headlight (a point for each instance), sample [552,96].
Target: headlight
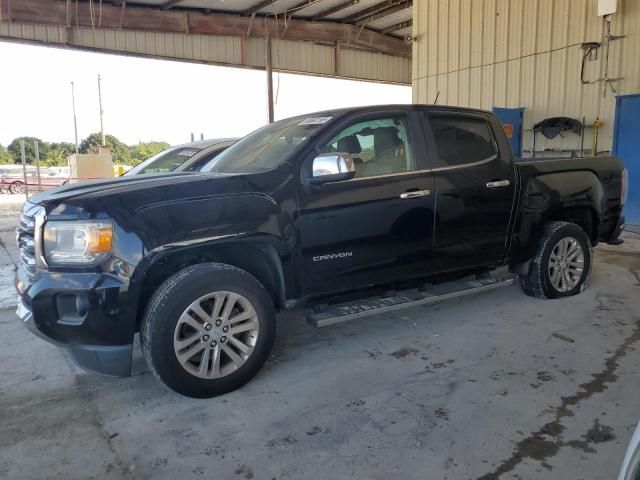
[77,242]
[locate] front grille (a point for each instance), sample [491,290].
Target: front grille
[25,235]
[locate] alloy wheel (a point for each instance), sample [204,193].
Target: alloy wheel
[216,335]
[566,264]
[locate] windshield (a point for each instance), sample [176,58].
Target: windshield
[166,161]
[267,147]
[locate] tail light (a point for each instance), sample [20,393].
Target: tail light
[624,191]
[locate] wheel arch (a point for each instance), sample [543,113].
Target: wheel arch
[260,258]
[571,196]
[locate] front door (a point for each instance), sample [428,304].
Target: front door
[475,185]
[626,145]
[377,227]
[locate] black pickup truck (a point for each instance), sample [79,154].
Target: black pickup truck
[303,210]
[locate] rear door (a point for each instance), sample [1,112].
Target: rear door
[377,227]
[475,185]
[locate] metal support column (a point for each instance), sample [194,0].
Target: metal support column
[269,69]
[36,150]
[24,170]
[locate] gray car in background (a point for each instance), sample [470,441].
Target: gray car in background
[189,157]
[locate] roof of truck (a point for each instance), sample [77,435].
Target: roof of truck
[376,108]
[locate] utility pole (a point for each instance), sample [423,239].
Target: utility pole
[104,143]
[75,122]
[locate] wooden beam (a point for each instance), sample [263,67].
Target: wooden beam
[141,18]
[336,9]
[169,4]
[386,12]
[396,27]
[371,10]
[257,7]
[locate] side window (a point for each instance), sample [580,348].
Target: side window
[461,140]
[377,147]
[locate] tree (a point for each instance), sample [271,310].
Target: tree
[4,156]
[29,150]
[58,154]
[119,151]
[144,150]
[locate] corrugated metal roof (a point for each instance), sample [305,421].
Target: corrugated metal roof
[319,7]
[403,33]
[313,8]
[222,32]
[391,19]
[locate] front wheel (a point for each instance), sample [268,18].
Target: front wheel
[208,330]
[562,263]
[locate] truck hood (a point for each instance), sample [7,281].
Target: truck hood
[140,192]
[176,207]
[110,186]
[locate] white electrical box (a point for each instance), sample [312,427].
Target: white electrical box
[607,7]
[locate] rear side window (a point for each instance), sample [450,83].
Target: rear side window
[461,139]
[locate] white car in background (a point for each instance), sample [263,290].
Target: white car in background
[12,178]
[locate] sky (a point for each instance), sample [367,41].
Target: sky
[156,100]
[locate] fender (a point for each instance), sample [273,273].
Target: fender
[556,196]
[258,255]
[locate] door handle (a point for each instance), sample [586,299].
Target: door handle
[498,184]
[415,193]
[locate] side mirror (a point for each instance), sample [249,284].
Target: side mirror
[332,167]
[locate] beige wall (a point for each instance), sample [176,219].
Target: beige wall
[524,53]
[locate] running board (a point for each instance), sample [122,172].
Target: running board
[409,298]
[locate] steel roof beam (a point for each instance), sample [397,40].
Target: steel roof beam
[378,7]
[396,27]
[299,6]
[257,7]
[403,5]
[169,4]
[336,9]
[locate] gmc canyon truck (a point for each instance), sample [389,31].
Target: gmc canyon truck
[304,211]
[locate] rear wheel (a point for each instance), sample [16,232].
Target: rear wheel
[562,263]
[208,330]
[16,187]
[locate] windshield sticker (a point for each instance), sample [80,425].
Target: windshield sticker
[315,120]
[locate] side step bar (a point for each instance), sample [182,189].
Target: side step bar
[409,298]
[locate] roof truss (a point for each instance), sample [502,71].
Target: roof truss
[145,18]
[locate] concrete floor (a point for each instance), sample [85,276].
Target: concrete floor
[478,388]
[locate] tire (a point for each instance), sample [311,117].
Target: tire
[16,188]
[546,277]
[170,326]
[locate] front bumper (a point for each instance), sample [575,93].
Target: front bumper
[86,313]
